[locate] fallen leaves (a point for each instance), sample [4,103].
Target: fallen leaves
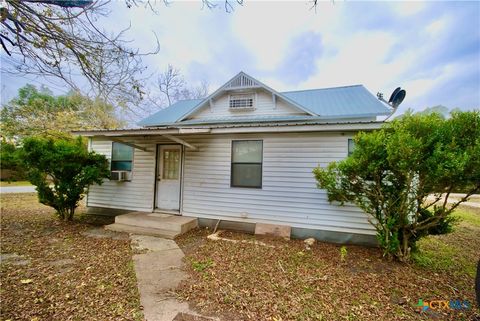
[284,281]
[68,275]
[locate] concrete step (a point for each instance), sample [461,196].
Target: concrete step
[155,224]
[118,227]
[166,222]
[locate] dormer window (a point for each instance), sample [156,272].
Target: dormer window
[243,101]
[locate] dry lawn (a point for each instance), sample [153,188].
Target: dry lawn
[16,183]
[51,271]
[241,281]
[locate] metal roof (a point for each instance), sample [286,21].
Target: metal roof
[328,103]
[244,81]
[339,102]
[170,114]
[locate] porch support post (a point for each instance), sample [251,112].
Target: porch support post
[180,141]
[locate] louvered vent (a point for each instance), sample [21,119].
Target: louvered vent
[241,82]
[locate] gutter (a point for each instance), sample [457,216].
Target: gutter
[236,128]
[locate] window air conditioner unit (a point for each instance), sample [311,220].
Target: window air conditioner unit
[119,176]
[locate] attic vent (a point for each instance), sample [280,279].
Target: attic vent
[242,81]
[241,101]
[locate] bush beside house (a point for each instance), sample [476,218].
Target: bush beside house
[392,171]
[62,170]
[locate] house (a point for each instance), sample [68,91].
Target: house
[244,155]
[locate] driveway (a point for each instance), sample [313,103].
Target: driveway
[474,200]
[17,189]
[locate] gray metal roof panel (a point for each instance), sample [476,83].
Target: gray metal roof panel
[170,114]
[329,103]
[339,101]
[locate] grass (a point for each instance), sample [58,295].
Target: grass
[456,252]
[438,255]
[200,266]
[469,216]
[52,271]
[244,281]
[17,183]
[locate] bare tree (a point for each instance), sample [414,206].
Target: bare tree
[196,92]
[60,39]
[173,87]
[229,5]
[170,82]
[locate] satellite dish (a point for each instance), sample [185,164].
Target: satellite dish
[393,94]
[395,100]
[397,97]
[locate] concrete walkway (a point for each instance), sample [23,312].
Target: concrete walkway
[159,271]
[17,189]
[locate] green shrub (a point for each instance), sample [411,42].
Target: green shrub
[62,170]
[11,167]
[392,171]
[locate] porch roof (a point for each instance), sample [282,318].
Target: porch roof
[297,126]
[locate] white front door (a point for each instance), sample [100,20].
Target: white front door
[169,171]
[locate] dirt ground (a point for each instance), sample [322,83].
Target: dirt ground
[53,270]
[284,281]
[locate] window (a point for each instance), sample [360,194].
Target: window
[122,157]
[171,163]
[247,163]
[351,146]
[241,101]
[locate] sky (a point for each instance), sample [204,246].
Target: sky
[431,49]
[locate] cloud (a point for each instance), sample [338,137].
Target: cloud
[431,49]
[299,62]
[265,29]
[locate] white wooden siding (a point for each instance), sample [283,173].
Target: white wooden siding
[136,194]
[264,105]
[288,195]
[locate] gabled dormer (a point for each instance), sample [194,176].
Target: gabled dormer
[244,99]
[241,97]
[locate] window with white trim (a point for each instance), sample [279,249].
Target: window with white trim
[247,161]
[242,101]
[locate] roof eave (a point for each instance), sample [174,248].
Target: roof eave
[312,118]
[251,127]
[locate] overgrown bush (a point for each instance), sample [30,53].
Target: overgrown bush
[11,169]
[62,170]
[393,171]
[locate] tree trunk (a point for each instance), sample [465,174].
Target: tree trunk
[71,211]
[61,214]
[404,250]
[66,214]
